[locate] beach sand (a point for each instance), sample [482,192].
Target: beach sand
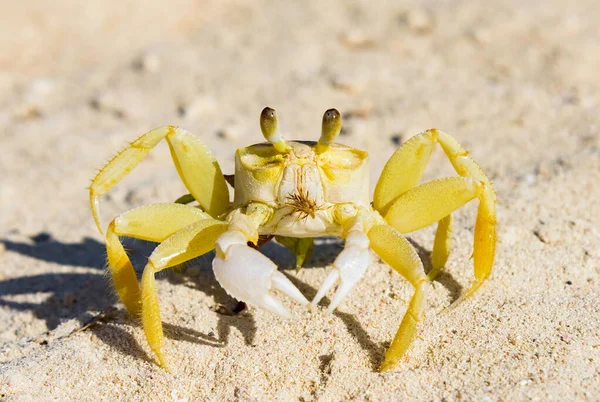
[515,82]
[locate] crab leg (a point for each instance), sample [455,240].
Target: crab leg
[484,247]
[422,206]
[399,201]
[190,242]
[349,266]
[441,246]
[244,272]
[397,252]
[154,222]
[197,168]
[403,171]
[431,202]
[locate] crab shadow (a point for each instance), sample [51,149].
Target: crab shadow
[83,290]
[58,296]
[80,295]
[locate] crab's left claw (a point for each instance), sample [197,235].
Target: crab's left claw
[249,276]
[349,267]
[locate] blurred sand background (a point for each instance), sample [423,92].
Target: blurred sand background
[516,82]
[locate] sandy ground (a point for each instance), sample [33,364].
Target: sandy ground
[516,82]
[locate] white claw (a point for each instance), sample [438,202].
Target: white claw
[248,275]
[349,267]
[329,282]
[283,284]
[273,305]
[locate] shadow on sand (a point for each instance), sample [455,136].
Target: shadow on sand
[80,295]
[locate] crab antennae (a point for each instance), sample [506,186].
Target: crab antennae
[331,127]
[269,125]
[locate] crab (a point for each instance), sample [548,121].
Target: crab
[296,191]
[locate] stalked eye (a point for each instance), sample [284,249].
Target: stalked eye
[331,115]
[269,125]
[331,127]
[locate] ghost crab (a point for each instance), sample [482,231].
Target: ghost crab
[296,190]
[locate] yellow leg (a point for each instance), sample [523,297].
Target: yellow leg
[483,250]
[397,252]
[430,202]
[153,222]
[484,247]
[197,168]
[190,242]
[301,247]
[433,201]
[441,246]
[403,171]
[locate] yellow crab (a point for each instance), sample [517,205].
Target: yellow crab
[296,190]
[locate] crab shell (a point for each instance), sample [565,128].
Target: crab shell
[301,185]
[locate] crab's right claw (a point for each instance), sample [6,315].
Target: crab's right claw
[249,276]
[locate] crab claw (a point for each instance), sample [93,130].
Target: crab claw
[249,276]
[349,267]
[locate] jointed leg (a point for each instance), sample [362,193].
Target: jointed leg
[197,168]
[433,201]
[403,172]
[409,209]
[190,242]
[484,247]
[154,222]
[397,252]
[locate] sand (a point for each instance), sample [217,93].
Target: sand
[516,82]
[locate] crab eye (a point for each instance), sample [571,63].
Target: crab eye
[331,127]
[269,125]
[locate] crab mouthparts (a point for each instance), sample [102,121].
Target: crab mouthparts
[302,203]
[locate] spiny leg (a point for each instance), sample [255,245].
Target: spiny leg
[244,272]
[397,252]
[405,169]
[197,168]
[154,222]
[349,266]
[190,242]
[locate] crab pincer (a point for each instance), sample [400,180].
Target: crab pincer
[348,268]
[250,276]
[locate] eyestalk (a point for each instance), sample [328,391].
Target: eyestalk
[331,127]
[269,125]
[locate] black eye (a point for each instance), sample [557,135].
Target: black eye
[268,123]
[268,113]
[332,114]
